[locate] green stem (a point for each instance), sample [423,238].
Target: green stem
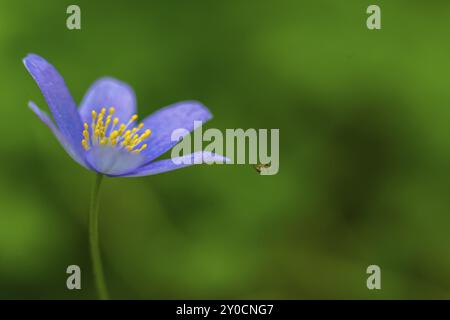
[93,240]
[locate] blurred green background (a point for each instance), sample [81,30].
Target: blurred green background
[364,138]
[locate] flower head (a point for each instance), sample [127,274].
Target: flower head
[103,134]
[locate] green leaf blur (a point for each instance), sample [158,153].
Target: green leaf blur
[365,151]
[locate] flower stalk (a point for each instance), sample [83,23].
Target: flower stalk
[94,239]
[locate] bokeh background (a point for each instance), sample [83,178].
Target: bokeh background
[364,138]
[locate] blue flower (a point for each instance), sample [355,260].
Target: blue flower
[103,134]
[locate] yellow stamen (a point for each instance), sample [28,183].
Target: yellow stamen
[108,121]
[146,134]
[103,134]
[144,146]
[121,129]
[114,134]
[85,144]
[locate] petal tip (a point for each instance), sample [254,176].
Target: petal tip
[211,157]
[195,106]
[31,57]
[201,106]
[32,105]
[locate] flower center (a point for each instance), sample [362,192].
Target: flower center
[101,133]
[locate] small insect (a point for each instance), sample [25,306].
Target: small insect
[260,166]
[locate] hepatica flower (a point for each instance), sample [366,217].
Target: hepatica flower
[104,134]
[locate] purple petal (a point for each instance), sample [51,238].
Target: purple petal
[46,119]
[164,121]
[59,100]
[113,161]
[105,93]
[161,166]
